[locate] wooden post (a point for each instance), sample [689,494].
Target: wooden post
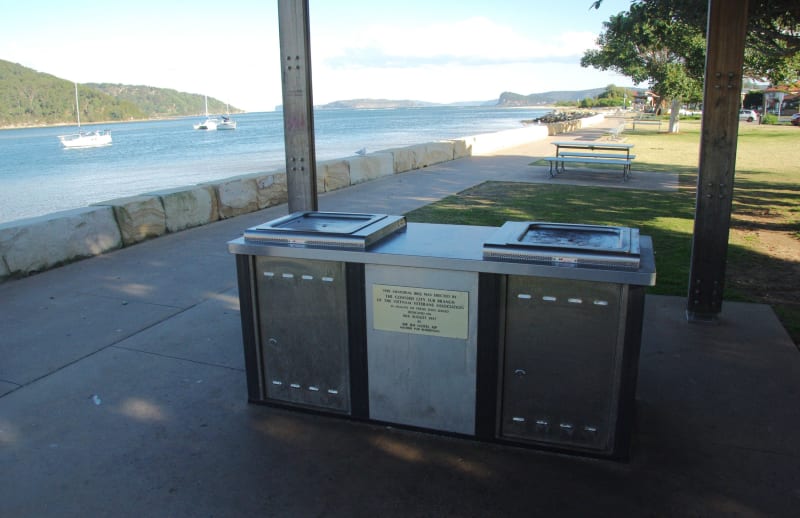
[727,24]
[298,105]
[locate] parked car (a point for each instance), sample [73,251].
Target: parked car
[748,115]
[796,119]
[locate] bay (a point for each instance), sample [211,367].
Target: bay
[38,177]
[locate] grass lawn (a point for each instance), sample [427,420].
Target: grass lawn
[763,263]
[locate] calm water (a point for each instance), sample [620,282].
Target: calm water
[37,176]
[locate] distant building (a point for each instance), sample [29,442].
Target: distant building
[646,101]
[782,99]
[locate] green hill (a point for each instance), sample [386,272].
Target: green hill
[512,99]
[31,98]
[162,102]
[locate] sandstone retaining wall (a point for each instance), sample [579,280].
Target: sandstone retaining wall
[36,244]
[557,128]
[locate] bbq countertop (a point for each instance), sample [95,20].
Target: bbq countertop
[452,247]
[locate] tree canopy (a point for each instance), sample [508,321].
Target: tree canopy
[611,96]
[772,50]
[650,44]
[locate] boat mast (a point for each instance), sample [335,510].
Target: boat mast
[77,107]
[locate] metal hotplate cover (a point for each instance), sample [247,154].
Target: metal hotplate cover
[565,244]
[326,229]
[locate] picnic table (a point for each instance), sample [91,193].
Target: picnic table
[614,153]
[647,120]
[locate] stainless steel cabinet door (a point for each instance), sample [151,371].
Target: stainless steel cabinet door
[302,317]
[562,349]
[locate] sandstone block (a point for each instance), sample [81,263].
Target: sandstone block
[370,167]
[237,196]
[404,159]
[138,217]
[320,179]
[4,271]
[333,174]
[187,207]
[418,150]
[271,189]
[461,149]
[35,244]
[436,153]
[557,128]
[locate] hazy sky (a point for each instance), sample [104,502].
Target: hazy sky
[433,50]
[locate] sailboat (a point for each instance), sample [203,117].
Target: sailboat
[84,139]
[209,124]
[227,123]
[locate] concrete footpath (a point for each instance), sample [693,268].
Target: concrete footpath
[122,393]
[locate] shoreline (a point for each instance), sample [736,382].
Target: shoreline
[201,115]
[32,245]
[62,125]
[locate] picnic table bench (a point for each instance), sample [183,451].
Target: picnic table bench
[647,121]
[614,133]
[603,153]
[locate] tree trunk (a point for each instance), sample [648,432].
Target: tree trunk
[674,115]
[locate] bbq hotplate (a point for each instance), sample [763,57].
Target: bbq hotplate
[564,244]
[326,229]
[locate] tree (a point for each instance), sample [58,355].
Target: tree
[651,44]
[772,51]
[613,95]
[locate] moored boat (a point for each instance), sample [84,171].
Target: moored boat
[210,123]
[226,124]
[84,139]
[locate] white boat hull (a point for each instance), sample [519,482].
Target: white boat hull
[208,124]
[98,138]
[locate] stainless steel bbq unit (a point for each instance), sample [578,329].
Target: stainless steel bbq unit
[526,334]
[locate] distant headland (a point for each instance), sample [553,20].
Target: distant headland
[506,99]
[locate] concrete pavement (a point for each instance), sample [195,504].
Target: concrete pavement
[122,393]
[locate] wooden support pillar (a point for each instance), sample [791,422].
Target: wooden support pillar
[298,105]
[727,25]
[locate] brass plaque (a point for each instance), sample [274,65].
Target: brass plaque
[421,311]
